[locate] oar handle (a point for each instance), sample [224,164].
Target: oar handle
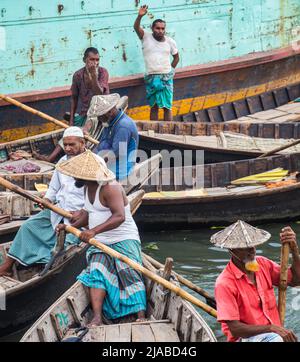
[284,264]
[174,288]
[34,198]
[42,115]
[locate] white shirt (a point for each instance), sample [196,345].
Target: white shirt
[157,54]
[99,214]
[63,191]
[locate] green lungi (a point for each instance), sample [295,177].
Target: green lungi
[35,240]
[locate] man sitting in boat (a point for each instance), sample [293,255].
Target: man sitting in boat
[116,290]
[36,237]
[87,82]
[157,50]
[119,137]
[246,303]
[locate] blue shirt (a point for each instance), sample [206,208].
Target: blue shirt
[122,139]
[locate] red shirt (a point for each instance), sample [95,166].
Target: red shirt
[85,94]
[239,299]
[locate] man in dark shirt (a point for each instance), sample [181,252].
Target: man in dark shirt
[88,81]
[119,137]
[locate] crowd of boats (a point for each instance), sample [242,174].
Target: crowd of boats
[241,140]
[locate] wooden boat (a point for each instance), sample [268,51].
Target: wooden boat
[29,294]
[18,209]
[271,105]
[205,90]
[199,195]
[170,319]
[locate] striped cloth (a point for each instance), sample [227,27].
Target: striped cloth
[264,337]
[125,289]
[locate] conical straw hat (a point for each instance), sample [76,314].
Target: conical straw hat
[86,166]
[240,235]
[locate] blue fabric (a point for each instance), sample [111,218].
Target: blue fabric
[159,89]
[264,337]
[35,240]
[122,138]
[126,293]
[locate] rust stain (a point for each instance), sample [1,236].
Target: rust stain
[89,35]
[60,8]
[124,56]
[31,53]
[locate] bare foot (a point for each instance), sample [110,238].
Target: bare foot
[141,317]
[4,272]
[95,322]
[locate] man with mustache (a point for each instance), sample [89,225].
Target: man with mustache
[88,81]
[36,237]
[246,303]
[157,50]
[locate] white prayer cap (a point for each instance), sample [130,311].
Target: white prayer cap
[73,132]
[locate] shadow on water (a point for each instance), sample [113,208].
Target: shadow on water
[200,262]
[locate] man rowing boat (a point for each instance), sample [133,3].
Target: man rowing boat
[116,290]
[246,303]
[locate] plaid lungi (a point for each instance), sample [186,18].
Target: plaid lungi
[125,289]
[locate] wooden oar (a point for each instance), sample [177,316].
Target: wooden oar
[284,264]
[174,288]
[209,298]
[42,115]
[280,148]
[179,291]
[34,198]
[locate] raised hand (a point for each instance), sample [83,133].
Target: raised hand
[287,235]
[143,10]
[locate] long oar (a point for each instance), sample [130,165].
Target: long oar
[42,115]
[174,288]
[110,251]
[280,148]
[209,298]
[284,264]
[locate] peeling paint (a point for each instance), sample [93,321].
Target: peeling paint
[60,8]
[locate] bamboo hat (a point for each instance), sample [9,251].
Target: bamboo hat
[86,166]
[240,235]
[102,104]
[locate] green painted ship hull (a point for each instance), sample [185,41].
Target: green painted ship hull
[229,49]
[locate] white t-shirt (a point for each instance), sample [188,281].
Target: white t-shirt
[157,54]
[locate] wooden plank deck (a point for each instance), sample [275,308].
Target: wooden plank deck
[152,331]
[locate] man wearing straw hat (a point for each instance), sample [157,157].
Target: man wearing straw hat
[116,290]
[36,237]
[246,303]
[119,137]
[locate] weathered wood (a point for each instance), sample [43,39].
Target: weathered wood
[283,282]
[164,332]
[142,333]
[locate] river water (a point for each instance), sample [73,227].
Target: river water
[200,262]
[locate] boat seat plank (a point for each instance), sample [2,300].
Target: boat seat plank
[164,332]
[142,333]
[290,108]
[267,115]
[118,333]
[96,334]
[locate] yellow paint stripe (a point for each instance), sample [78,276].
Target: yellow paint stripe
[181,106]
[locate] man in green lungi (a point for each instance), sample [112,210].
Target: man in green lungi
[157,51]
[116,290]
[36,237]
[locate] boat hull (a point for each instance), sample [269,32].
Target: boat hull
[25,307]
[197,212]
[196,88]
